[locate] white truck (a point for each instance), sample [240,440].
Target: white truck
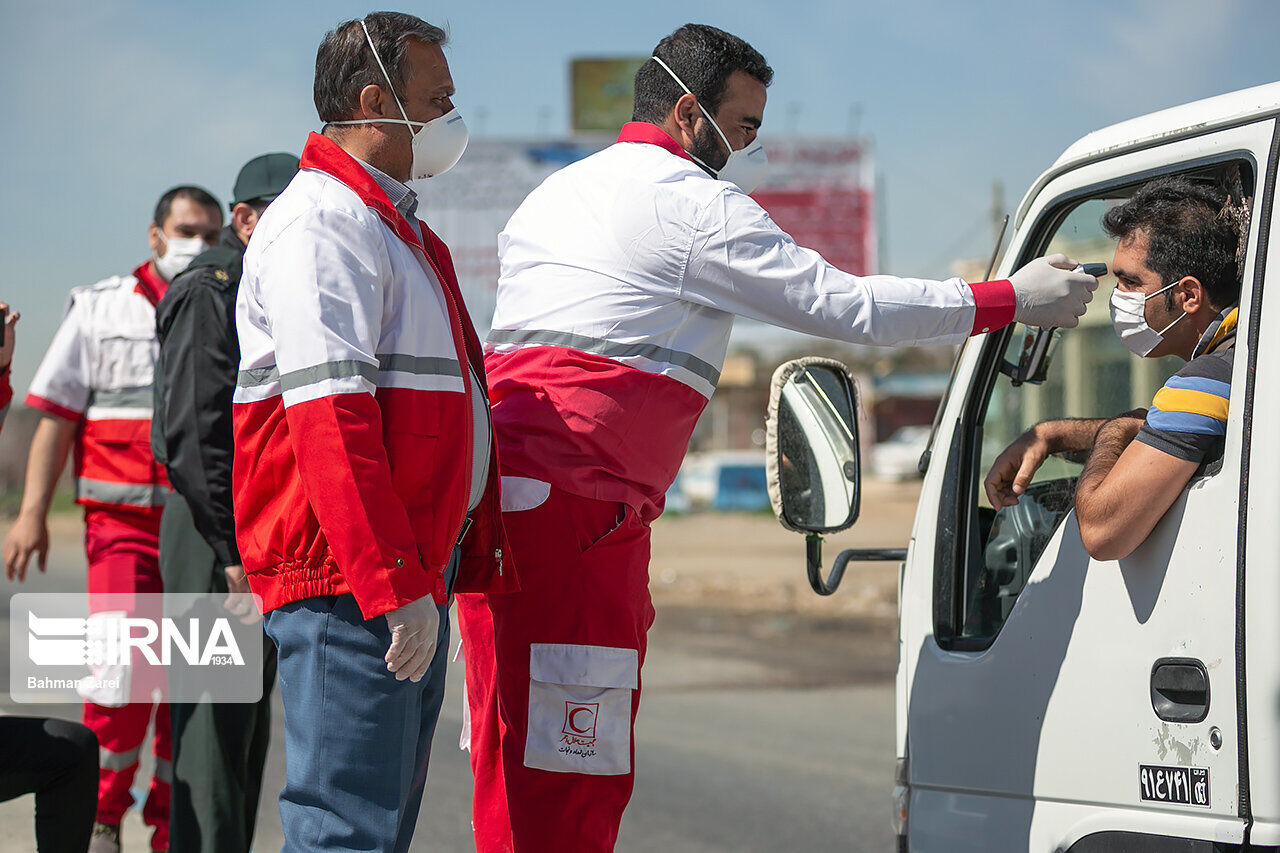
[1047,701]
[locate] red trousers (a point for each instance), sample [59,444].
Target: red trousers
[553,678]
[124,556]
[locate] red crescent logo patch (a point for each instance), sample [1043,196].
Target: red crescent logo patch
[580,719]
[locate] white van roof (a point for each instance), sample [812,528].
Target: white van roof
[1218,110]
[1176,121]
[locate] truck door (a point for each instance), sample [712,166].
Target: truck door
[1053,702]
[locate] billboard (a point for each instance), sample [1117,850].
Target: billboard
[602,92]
[823,193]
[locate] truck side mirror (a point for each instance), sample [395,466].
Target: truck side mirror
[1034,358]
[812,446]
[811,458]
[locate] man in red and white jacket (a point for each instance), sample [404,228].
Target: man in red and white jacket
[94,389]
[620,279]
[365,477]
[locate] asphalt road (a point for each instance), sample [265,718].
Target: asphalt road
[755,734]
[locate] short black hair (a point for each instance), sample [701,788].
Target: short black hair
[345,64]
[200,196]
[1192,229]
[704,57]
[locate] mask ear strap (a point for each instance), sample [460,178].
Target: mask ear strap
[1174,323]
[378,59]
[667,68]
[1163,289]
[1157,293]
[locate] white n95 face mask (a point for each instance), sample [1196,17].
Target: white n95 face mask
[1129,317]
[745,167]
[179,252]
[437,144]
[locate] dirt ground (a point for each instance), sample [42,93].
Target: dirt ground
[734,586]
[750,563]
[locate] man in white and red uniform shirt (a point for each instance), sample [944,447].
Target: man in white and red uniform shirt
[94,388]
[620,278]
[365,482]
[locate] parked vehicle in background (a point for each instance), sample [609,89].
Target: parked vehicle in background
[897,458]
[1047,701]
[676,502]
[725,480]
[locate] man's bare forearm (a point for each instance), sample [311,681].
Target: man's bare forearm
[1112,439]
[1073,438]
[50,447]
[1065,435]
[1069,438]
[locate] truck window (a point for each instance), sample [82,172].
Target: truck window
[1091,375]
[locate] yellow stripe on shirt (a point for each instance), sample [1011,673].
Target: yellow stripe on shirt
[1228,325]
[1193,402]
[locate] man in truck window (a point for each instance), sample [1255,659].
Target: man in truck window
[1177,264]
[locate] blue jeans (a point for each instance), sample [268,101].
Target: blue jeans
[357,741]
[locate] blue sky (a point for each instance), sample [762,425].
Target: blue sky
[113,101]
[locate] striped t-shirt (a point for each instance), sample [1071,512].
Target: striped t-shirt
[1188,416]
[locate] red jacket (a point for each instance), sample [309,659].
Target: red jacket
[352,412]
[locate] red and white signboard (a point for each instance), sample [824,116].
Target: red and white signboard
[823,194]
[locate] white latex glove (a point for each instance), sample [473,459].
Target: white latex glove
[1048,294]
[414,628]
[239,601]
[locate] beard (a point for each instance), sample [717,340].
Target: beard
[709,148]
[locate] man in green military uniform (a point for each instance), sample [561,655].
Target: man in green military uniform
[218,749]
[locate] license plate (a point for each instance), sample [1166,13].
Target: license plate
[1180,786]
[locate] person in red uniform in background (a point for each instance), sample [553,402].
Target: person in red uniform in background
[94,388]
[620,279]
[10,319]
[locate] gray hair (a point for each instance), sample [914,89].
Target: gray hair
[345,64]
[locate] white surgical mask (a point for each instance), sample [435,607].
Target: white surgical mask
[1129,317]
[437,144]
[745,167]
[179,252]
